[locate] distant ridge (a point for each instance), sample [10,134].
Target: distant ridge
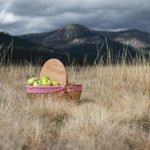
[24,50]
[78,42]
[135,38]
[78,34]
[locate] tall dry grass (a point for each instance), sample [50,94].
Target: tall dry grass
[113,113]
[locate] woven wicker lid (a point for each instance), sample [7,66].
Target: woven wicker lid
[55,70]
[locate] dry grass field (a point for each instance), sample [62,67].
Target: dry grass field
[113,113]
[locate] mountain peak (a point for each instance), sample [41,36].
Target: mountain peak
[70,32]
[74,27]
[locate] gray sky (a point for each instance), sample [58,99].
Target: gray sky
[30,16]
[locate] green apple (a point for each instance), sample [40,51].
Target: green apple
[55,83]
[32,80]
[46,82]
[45,77]
[37,83]
[40,82]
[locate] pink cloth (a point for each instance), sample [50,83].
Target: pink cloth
[50,89]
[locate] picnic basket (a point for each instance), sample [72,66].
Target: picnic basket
[54,69]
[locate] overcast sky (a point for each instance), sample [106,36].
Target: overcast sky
[30,16]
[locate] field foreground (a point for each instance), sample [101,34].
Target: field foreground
[113,113]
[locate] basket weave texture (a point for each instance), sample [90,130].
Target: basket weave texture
[60,93]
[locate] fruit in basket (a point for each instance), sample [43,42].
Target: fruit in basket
[46,82]
[40,82]
[55,83]
[37,83]
[32,80]
[45,77]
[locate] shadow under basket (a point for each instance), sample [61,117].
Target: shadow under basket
[69,93]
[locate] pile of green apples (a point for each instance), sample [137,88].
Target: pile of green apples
[45,81]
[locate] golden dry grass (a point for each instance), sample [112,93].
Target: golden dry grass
[113,113]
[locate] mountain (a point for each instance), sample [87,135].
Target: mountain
[64,37]
[24,50]
[76,41]
[135,38]
[59,37]
[79,42]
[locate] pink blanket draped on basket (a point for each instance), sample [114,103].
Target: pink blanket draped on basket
[50,89]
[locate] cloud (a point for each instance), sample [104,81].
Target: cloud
[22,16]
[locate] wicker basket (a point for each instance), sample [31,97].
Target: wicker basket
[70,93]
[54,69]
